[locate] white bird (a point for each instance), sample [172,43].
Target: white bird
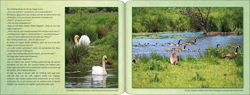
[84,40]
[98,70]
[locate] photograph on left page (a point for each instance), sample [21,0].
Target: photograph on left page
[91,47]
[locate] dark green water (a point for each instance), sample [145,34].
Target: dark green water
[84,79]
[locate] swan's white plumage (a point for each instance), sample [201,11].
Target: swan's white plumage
[84,40]
[97,70]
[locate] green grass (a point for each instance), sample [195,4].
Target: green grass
[101,27]
[207,71]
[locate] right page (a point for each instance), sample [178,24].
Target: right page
[187,47]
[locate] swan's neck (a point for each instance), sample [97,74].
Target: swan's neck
[104,68]
[76,41]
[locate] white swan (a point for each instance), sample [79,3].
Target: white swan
[98,70]
[84,40]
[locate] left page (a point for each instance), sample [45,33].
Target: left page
[62,47]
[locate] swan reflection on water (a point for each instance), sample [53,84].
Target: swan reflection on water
[99,80]
[84,79]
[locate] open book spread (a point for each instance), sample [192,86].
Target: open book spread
[112,47]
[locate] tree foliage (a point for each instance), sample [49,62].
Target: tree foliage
[198,16]
[187,19]
[73,10]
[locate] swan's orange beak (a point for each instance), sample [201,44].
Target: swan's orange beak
[78,38]
[106,60]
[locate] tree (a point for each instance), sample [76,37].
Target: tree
[198,16]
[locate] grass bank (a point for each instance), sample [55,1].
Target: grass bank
[207,71]
[101,27]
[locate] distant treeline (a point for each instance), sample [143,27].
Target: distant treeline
[187,19]
[73,10]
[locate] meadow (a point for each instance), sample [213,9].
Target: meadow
[100,25]
[207,71]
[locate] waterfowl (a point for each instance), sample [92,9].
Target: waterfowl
[84,40]
[216,47]
[168,50]
[192,43]
[173,44]
[147,44]
[174,58]
[195,50]
[182,43]
[231,54]
[98,70]
[179,49]
[136,45]
[135,60]
[184,50]
[154,45]
[163,44]
[142,45]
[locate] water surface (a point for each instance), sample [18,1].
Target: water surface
[202,43]
[84,79]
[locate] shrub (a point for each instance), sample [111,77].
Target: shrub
[102,31]
[75,53]
[238,31]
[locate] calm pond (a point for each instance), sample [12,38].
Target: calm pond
[84,79]
[202,43]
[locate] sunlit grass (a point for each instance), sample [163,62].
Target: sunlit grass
[208,71]
[101,28]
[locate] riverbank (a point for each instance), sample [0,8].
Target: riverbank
[218,33]
[160,35]
[102,30]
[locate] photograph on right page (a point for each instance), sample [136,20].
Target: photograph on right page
[187,47]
